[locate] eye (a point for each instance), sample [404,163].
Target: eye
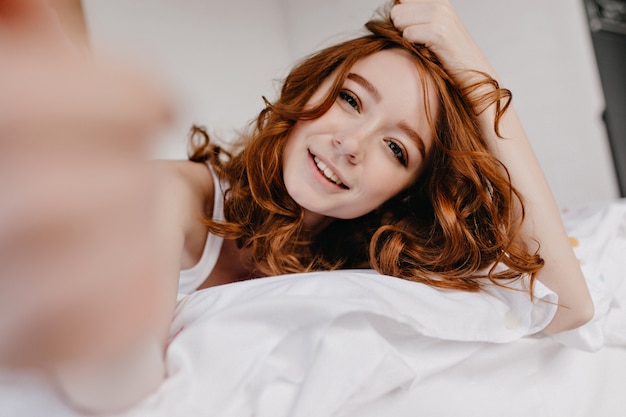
[350,99]
[397,151]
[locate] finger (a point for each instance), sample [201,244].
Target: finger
[76,111]
[52,90]
[33,24]
[43,78]
[24,12]
[72,95]
[419,23]
[421,13]
[404,15]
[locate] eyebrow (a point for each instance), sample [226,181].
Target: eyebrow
[411,133]
[365,84]
[408,130]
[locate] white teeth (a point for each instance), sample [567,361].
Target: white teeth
[328,173]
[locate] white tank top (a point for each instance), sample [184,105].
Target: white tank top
[190,279]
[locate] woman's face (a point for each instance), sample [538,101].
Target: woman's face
[369,146]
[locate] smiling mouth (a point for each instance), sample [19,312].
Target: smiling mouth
[328,173]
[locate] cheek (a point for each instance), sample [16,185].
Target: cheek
[292,142]
[389,183]
[297,134]
[287,148]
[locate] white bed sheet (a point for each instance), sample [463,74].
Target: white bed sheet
[353,343]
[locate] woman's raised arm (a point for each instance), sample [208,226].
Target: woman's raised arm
[436,24]
[89,256]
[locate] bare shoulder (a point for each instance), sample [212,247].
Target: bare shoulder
[190,183]
[186,195]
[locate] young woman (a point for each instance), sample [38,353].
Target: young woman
[396,151]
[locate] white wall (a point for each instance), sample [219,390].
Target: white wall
[542,50]
[314,24]
[221,56]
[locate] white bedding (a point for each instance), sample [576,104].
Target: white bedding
[353,343]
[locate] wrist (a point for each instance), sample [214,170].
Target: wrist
[102,386]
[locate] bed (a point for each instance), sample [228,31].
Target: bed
[354,343]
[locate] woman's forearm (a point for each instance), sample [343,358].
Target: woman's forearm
[542,225]
[435,24]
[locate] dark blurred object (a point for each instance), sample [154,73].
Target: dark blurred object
[611,11]
[607,23]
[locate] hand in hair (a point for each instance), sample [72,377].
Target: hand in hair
[435,24]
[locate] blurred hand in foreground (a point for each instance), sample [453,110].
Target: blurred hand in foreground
[78,247]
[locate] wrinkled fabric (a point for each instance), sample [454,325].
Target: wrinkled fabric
[355,343]
[598,234]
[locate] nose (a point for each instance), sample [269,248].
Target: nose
[351,145]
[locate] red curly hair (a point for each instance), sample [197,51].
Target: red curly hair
[451,229]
